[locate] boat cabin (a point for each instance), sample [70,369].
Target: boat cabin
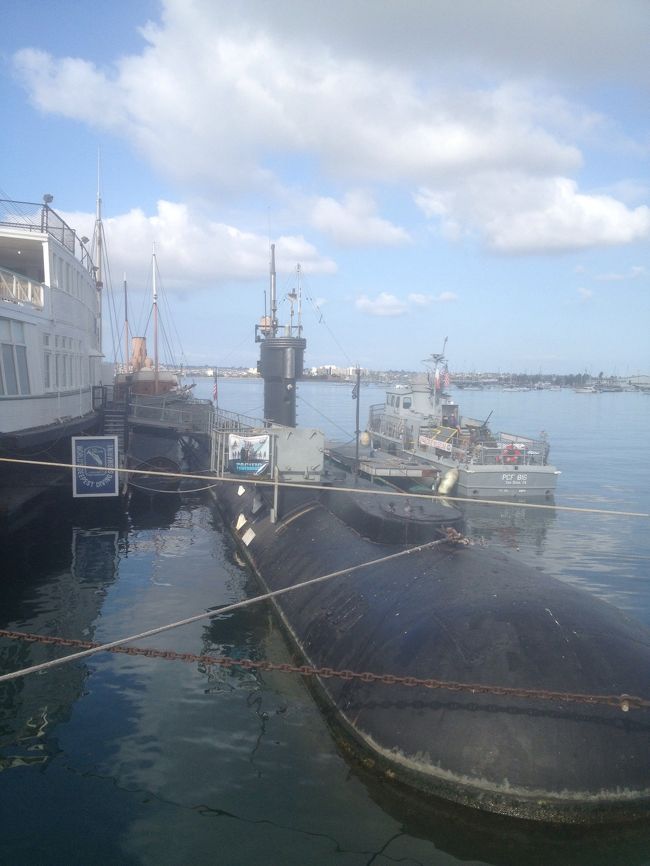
[420,400]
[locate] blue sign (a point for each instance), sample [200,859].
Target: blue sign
[95,460]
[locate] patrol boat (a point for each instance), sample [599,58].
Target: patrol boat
[420,422]
[449,668]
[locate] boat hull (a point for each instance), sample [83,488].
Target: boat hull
[464,614]
[523,481]
[478,481]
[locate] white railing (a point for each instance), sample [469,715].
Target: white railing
[19,289]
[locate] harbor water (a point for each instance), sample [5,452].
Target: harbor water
[121,759]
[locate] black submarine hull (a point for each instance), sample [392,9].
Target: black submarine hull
[465,614]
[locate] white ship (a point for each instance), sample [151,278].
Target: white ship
[50,334]
[419,422]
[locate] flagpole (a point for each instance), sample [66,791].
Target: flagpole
[215,389]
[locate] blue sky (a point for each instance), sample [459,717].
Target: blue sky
[476,171]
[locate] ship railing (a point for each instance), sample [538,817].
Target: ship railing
[533,451]
[32,217]
[190,416]
[19,289]
[224,424]
[234,422]
[505,453]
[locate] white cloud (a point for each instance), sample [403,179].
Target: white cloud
[354,222]
[418,300]
[192,251]
[384,304]
[213,105]
[634,273]
[581,39]
[585,294]
[458,100]
[514,213]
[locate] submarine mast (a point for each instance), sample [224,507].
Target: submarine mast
[282,350]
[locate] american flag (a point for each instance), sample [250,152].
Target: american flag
[446,379]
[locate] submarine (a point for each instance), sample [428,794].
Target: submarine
[449,669]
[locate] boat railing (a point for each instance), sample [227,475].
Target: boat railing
[234,422]
[224,424]
[19,289]
[508,449]
[32,217]
[190,416]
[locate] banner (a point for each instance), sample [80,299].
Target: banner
[248,455]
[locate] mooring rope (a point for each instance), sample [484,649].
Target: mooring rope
[215,479]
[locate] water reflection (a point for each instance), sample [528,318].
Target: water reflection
[54,587]
[510,526]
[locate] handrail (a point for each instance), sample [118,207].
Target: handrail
[19,289]
[188,415]
[39,217]
[232,421]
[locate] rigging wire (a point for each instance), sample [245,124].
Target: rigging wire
[321,321]
[347,433]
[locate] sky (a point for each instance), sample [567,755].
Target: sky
[437,168]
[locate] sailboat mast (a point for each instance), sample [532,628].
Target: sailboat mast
[126,330]
[155,322]
[99,249]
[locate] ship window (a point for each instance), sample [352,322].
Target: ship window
[23,375]
[406,402]
[14,376]
[9,369]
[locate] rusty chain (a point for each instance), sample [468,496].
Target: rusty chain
[623,702]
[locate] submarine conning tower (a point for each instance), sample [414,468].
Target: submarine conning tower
[282,350]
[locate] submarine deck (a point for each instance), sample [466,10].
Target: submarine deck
[379,464]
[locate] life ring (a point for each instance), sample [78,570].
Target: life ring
[511,454]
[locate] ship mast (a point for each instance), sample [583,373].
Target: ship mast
[155,320]
[126,330]
[99,247]
[274,300]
